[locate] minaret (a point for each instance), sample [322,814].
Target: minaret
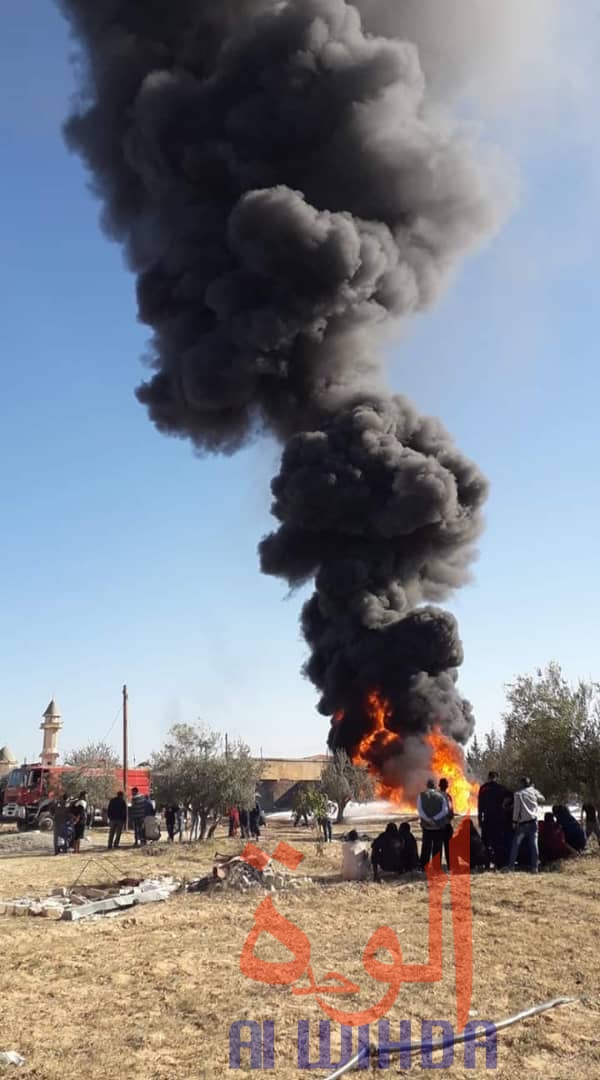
[51,725]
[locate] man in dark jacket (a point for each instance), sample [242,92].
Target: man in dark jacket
[492,819]
[138,813]
[117,818]
[60,816]
[255,821]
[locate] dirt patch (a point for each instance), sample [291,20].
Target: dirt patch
[152,995]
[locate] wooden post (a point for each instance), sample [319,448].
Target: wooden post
[125,756]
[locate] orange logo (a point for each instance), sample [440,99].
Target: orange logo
[267,920]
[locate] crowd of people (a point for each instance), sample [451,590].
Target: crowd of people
[508,836]
[72,816]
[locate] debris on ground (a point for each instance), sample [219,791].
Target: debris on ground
[237,875]
[10,1057]
[83,901]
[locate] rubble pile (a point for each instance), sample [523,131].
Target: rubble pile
[238,876]
[83,901]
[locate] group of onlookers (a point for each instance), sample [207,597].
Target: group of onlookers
[247,821]
[513,835]
[510,836]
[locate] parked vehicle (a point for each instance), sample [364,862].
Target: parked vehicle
[31,790]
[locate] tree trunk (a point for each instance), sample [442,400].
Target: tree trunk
[340,814]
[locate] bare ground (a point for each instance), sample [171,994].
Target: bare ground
[152,994]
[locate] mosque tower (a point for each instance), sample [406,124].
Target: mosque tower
[51,725]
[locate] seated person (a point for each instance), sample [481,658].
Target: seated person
[574,834]
[387,852]
[479,853]
[410,853]
[355,859]
[552,842]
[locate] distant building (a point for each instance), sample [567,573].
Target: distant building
[8,761]
[280,779]
[51,725]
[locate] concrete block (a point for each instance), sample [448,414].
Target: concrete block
[97,907]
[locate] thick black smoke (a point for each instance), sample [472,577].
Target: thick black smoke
[284,186]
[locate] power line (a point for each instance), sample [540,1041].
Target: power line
[112,726]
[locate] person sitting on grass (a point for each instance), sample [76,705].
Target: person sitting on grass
[552,843]
[410,853]
[387,852]
[479,852]
[355,858]
[574,834]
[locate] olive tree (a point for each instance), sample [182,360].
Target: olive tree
[194,769]
[344,782]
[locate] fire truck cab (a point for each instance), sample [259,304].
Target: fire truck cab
[27,796]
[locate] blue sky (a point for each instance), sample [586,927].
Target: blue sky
[123,557]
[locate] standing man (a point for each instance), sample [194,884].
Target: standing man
[254,819]
[525,813]
[61,813]
[244,823]
[117,816]
[138,813]
[491,819]
[448,829]
[432,809]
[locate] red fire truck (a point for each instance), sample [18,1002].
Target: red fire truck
[31,789]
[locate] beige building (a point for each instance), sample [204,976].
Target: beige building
[280,778]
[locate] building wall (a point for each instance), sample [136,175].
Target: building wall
[289,769]
[280,794]
[280,779]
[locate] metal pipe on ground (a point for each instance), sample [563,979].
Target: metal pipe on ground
[441,1044]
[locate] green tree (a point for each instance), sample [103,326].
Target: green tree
[344,782]
[474,758]
[546,727]
[92,768]
[310,800]
[193,768]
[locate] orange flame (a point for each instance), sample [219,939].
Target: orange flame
[447,760]
[379,711]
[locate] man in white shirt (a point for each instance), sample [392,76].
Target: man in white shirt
[525,822]
[432,808]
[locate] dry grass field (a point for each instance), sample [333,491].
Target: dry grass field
[151,995]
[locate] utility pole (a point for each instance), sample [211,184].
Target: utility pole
[125,756]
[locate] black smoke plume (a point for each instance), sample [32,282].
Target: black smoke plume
[284,187]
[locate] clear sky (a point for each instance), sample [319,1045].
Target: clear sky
[123,557]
